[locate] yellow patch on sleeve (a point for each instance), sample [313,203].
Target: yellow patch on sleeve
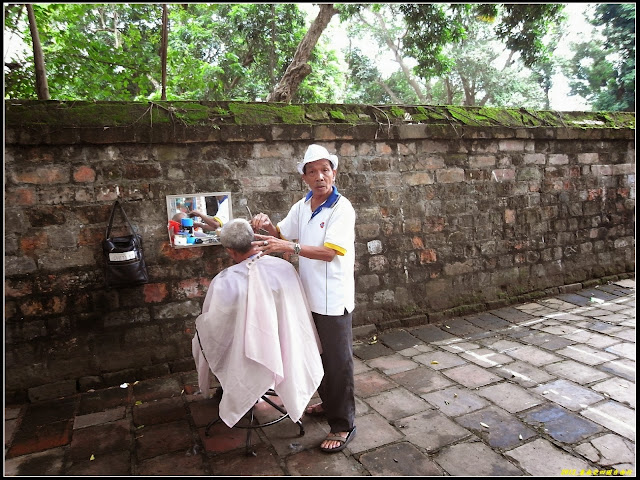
[339,250]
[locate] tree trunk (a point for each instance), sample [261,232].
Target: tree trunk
[42,87]
[396,53]
[272,49]
[298,69]
[387,89]
[163,50]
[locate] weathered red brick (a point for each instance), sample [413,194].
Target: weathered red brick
[35,241]
[84,174]
[155,292]
[428,256]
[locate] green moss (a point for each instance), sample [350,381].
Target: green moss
[397,111]
[266,113]
[188,113]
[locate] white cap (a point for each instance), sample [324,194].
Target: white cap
[316,152]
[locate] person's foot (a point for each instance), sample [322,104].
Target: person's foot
[335,442]
[314,410]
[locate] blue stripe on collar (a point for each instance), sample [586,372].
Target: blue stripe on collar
[328,203]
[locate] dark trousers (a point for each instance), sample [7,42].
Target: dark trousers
[337,387]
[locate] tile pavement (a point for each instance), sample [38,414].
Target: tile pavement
[545,388]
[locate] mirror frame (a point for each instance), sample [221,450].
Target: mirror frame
[172,201]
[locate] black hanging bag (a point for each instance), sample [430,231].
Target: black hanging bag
[123,257]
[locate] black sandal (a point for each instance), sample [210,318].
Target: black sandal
[344,441]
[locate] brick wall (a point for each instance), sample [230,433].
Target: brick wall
[452,217]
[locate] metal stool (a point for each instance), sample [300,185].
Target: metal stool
[251,426]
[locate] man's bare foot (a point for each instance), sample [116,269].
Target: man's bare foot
[331,444]
[336,442]
[314,410]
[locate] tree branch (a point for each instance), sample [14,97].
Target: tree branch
[298,69]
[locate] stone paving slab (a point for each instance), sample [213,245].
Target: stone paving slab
[392,364]
[576,299]
[586,354]
[455,401]
[398,339]
[614,416]
[618,389]
[462,328]
[471,376]
[475,459]
[186,464]
[541,458]
[44,463]
[431,430]
[605,324]
[371,383]
[623,349]
[108,464]
[560,424]
[439,359]
[523,373]
[421,380]
[366,351]
[317,464]
[485,357]
[598,293]
[98,418]
[487,321]
[568,394]
[373,431]
[576,372]
[534,355]
[512,314]
[510,397]
[548,341]
[397,403]
[264,463]
[622,368]
[608,450]
[461,346]
[100,439]
[615,289]
[431,334]
[497,427]
[594,339]
[400,459]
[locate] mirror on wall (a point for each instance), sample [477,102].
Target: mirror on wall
[195,219]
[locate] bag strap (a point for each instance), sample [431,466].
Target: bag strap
[113,212]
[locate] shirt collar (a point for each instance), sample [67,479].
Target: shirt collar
[328,203]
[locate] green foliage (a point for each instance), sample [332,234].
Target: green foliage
[604,69]
[215,52]
[220,51]
[97,52]
[477,71]
[430,26]
[523,27]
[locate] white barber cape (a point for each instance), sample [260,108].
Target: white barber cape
[257,333]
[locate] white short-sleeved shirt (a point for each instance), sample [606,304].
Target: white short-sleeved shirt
[329,286]
[222,215]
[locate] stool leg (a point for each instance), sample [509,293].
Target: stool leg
[249,451]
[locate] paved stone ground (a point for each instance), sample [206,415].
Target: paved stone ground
[545,388]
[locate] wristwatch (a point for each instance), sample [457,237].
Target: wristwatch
[296,248]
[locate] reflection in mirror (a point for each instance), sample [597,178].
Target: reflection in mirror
[195,219]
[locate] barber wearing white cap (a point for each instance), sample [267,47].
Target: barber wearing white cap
[320,229]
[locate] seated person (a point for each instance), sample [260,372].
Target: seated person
[256,332]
